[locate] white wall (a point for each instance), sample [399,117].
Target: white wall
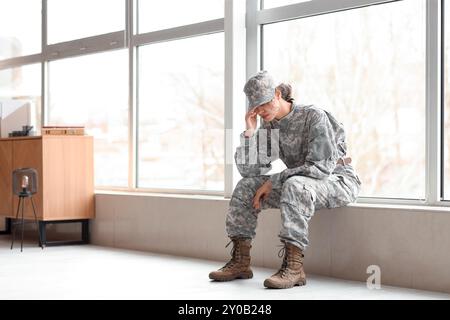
[409,244]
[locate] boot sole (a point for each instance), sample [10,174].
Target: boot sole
[244,275]
[270,285]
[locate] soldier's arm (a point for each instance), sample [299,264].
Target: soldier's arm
[250,160]
[322,152]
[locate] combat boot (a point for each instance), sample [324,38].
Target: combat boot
[239,265]
[291,272]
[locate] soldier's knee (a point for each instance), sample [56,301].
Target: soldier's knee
[245,191]
[249,185]
[292,185]
[297,191]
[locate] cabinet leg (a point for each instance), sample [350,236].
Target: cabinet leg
[85,238]
[42,233]
[15,223]
[7,227]
[85,231]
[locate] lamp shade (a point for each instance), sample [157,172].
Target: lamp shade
[25,181]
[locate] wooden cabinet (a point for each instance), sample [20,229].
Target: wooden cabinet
[66,176]
[6,165]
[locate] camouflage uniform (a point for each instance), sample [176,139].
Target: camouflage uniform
[311,141]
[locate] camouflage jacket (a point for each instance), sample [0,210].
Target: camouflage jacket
[309,141]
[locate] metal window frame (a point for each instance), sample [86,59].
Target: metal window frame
[257,18]
[434,104]
[312,8]
[138,40]
[130,15]
[235,72]
[123,39]
[238,36]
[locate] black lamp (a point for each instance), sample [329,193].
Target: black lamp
[25,185]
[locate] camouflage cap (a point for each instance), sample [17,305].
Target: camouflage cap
[260,89]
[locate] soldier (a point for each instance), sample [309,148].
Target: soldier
[311,143]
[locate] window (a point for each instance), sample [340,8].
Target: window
[74,19]
[367,66]
[181,114]
[22,84]
[162,15]
[92,91]
[20,30]
[278,3]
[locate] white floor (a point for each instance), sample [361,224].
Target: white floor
[91,272]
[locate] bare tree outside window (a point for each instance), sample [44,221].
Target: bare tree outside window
[181,114]
[92,91]
[367,66]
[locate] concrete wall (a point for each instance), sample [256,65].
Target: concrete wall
[409,244]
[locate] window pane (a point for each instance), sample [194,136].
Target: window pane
[162,15]
[278,3]
[19,86]
[446,151]
[367,66]
[75,19]
[93,91]
[181,120]
[20,30]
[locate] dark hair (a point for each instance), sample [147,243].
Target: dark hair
[286,91]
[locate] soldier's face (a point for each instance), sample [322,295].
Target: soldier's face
[268,111]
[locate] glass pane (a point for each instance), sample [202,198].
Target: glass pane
[181,114]
[75,19]
[278,3]
[20,30]
[367,66]
[174,13]
[20,87]
[93,91]
[446,151]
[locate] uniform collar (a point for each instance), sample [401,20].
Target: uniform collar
[286,118]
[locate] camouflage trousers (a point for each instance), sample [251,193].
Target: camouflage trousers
[298,199]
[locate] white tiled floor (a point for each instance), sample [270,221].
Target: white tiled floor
[91,272]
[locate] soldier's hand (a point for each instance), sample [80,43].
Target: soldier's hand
[250,122]
[262,194]
[347,160]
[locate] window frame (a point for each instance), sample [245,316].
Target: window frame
[434,106]
[127,39]
[242,25]
[153,37]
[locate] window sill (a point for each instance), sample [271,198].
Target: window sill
[419,208]
[411,207]
[161,195]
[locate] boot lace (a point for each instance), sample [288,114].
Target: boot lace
[287,257]
[282,272]
[235,251]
